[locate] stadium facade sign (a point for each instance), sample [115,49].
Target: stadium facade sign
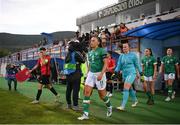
[122,6]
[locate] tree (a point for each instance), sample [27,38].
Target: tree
[4,52]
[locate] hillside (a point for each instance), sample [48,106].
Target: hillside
[16,42]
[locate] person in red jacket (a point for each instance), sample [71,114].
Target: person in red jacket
[44,64]
[110,70]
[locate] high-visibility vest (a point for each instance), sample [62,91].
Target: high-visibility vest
[71,66]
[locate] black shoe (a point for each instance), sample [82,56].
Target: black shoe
[76,108]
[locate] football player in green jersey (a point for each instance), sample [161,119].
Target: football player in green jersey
[169,66]
[150,72]
[97,59]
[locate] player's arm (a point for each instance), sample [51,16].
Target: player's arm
[137,64]
[103,69]
[155,70]
[139,68]
[161,68]
[118,67]
[142,65]
[35,67]
[177,67]
[177,70]
[105,66]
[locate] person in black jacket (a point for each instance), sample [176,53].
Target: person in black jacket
[11,71]
[73,73]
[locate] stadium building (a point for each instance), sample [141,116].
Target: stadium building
[129,12]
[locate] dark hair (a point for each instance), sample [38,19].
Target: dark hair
[121,45]
[169,48]
[126,42]
[99,40]
[42,49]
[150,51]
[110,53]
[122,24]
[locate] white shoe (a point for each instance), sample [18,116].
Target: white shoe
[110,95]
[173,95]
[120,108]
[109,111]
[35,102]
[134,104]
[168,99]
[83,117]
[57,98]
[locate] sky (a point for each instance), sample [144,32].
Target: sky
[36,16]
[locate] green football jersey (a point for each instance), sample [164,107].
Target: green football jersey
[148,64]
[95,58]
[169,64]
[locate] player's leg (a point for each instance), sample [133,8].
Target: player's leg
[129,79]
[46,81]
[111,89]
[152,89]
[38,94]
[127,86]
[105,98]
[108,84]
[170,90]
[132,94]
[89,84]
[166,86]
[86,102]
[170,81]
[101,86]
[51,88]
[146,89]
[172,77]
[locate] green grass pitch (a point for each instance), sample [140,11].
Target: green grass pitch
[15,108]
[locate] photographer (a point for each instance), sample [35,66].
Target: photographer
[73,73]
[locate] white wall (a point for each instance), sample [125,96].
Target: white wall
[3,69]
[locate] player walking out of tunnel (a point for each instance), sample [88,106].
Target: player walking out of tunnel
[150,72]
[169,65]
[127,64]
[97,58]
[44,64]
